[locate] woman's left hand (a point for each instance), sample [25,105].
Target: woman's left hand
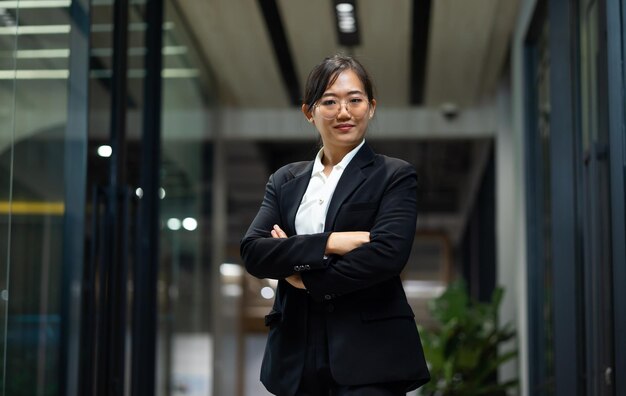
[294,280]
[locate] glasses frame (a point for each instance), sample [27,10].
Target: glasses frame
[343,102]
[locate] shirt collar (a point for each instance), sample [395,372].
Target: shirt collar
[319,167]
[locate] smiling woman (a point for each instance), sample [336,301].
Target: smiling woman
[336,232]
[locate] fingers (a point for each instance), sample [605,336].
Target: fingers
[295,280]
[277,232]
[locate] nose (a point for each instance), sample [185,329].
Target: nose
[343,110]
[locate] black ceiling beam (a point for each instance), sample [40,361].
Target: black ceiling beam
[419,49]
[278,37]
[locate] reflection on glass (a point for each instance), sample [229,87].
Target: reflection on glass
[185,340]
[33,92]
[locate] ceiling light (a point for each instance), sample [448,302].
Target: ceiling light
[347,24]
[139,192]
[37,29]
[190,224]
[228,269]
[267,293]
[173,224]
[110,2]
[162,193]
[35,4]
[180,73]
[344,7]
[132,27]
[34,74]
[105,151]
[42,53]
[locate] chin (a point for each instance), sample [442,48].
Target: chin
[350,141]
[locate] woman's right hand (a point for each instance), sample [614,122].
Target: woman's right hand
[343,242]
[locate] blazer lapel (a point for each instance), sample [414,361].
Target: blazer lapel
[350,179]
[291,195]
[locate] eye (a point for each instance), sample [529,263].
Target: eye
[356,100]
[328,102]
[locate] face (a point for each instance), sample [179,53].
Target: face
[343,130]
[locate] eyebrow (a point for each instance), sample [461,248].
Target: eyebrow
[349,93]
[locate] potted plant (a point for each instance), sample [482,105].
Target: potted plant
[463,350]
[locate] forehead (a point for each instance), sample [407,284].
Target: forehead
[346,81]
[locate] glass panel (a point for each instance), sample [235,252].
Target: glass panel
[32,191]
[8,43]
[185,340]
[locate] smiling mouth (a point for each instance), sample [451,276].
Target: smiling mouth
[344,127]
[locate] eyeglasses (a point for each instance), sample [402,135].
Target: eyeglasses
[357,106]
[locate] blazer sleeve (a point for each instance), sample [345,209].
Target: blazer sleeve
[384,257]
[277,258]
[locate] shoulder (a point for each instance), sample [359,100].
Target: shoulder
[393,165]
[289,171]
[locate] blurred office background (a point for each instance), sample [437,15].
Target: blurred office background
[136,138]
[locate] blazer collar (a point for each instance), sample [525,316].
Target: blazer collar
[292,193]
[294,189]
[351,178]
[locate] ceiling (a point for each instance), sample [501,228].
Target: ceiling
[419,52]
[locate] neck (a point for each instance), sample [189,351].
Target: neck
[333,155]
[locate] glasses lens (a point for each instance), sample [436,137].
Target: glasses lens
[356,105]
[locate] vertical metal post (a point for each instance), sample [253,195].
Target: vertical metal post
[147,264]
[75,179]
[111,354]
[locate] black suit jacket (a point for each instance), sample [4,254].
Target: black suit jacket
[372,336]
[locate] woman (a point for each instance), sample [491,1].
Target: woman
[336,232]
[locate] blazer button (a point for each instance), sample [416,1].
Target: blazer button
[307,267]
[296,268]
[328,297]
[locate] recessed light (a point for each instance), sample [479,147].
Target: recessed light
[267,293]
[105,151]
[190,224]
[344,7]
[173,224]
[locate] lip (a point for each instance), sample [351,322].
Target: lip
[344,127]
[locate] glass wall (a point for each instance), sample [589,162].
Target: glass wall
[34,71]
[185,336]
[36,170]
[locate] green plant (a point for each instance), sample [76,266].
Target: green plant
[462,352]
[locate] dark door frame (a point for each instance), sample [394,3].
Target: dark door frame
[616,52]
[143,370]
[568,353]
[539,380]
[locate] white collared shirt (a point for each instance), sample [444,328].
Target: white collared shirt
[311,216]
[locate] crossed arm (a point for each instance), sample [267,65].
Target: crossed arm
[356,260]
[338,243]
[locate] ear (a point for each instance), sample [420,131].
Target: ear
[372,107]
[307,114]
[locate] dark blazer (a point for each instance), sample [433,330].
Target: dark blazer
[372,336]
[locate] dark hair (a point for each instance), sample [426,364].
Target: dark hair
[324,75]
